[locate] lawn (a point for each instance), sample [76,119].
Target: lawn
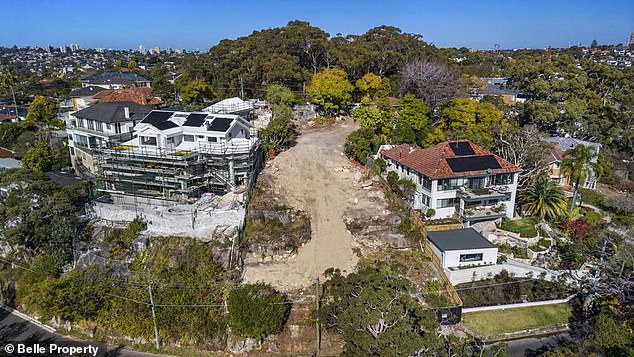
[516,319]
[525,226]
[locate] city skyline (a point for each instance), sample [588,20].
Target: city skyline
[201,25]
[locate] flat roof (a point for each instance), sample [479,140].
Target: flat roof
[459,239]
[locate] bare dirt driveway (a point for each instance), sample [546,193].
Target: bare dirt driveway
[316,177]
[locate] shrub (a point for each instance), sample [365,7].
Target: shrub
[430,213]
[256,311]
[579,229]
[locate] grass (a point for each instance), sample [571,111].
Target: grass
[517,319]
[526,227]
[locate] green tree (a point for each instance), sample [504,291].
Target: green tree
[118,64]
[412,123]
[132,64]
[331,90]
[611,336]
[195,91]
[362,143]
[8,79]
[369,84]
[370,117]
[544,198]
[579,164]
[43,111]
[464,118]
[9,133]
[280,95]
[376,315]
[39,157]
[256,310]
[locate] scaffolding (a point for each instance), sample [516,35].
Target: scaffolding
[131,175]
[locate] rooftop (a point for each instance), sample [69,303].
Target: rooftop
[459,239]
[139,95]
[113,112]
[570,143]
[85,91]
[116,77]
[450,159]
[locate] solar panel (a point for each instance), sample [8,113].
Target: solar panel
[163,125]
[220,124]
[195,119]
[473,163]
[156,116]
[461,148]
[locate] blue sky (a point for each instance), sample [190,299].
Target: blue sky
[201,24]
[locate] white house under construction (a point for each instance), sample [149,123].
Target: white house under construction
[178,156]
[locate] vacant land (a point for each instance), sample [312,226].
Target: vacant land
[308,177]
[517,319]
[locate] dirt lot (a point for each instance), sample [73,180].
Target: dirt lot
[316,177]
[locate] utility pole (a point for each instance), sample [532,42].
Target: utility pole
[156,337]
[605,242]
[241,89]
[317,307]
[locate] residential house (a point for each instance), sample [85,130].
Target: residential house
[233,105]
[97,126]
[116,80]
[553,159]
[457,179]
[178,156]
[84,96]
[462,247]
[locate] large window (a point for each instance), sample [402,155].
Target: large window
[501,179]
[189,138]
[465,258]
[451,184]
[446,202]
[148,140]
[425,182]
[81,140]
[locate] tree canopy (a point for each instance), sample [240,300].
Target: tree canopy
[331,90]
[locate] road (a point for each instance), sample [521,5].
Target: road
[14,329]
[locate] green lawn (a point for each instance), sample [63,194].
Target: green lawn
[525,226]
[516,319]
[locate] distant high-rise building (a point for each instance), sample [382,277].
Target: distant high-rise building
[142,49]
[157,50]
[168,51]
[630,40]
[178,50]
[74,47]
[63,49]
[48,48]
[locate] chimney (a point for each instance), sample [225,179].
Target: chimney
[126,112]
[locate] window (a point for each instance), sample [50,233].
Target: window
[426,182]
[108,126]
[72,151]
[91,124]
[170,141]
[81,140]
[465,258]
[426,200]
[501,179]
[446,202]
[450,184]
[201,136]
[189,138]
[98,126]
[148,140]
[212,139]
[70,137]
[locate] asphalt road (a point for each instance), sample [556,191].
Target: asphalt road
[531,347]
[14,330]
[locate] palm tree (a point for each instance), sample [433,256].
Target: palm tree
[578,164]
[544,198]
[8,79]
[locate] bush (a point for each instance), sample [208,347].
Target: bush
[430,213]
[579,229]
[361,143]
[256,311]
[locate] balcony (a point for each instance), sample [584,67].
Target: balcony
[481,194]
[482,213]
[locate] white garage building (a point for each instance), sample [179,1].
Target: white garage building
[462,247]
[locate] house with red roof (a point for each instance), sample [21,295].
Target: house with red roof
[457,179]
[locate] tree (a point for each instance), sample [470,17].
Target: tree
[544,198]
[280,95]
[42,111]
[362,143]
[370,117]
[256,310]
[376,315]
[612,336]
[369,84]
[8,79]
[578,164]
[39,157]
[594,44]
[194,91]
[331,90]
[464,118]
[412,123]
[431,80]
[132,64]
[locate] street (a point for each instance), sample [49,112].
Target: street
[14,329]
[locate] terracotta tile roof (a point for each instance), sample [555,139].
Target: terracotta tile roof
[139,95]
[432,162]
[6,153]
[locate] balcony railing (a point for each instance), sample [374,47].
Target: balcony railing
[482,213]
[479,194]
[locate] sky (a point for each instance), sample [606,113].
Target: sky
[194,25]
